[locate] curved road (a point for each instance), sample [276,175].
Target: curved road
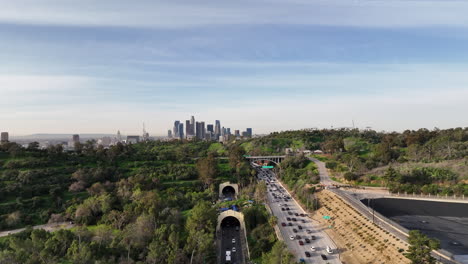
[323,173]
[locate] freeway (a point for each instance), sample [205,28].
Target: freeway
[231,240]
[299,228]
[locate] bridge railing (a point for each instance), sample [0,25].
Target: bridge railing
[431,196]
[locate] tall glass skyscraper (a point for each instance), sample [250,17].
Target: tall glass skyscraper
[217,131]
[181,130]
[176,128]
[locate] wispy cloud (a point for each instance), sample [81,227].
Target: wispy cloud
[391,97]
[21,85]
[181,14]
[99,66]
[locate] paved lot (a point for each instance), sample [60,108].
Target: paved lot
[447,222]
[321,239]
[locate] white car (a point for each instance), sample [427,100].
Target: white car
[291,237]
[233,250]
[233,240]
[329,250]
[312,249]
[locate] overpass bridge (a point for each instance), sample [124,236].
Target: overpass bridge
[275,159]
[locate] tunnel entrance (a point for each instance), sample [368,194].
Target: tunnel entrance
[229,192]
[230,222]
[265,163]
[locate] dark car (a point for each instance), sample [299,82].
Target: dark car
[289,224]
[303,221]
[294,219]
[301,243]
[296,214]
[300,227]
[288,218]
[303,215]
[298,237]
[307,254]
[313,237]
[287,208]
[324,257]
[282,209]
[283,224]
[290,213]
[294,230]
[307,240]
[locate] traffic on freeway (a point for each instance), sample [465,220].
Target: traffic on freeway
[231,247]
[305,239]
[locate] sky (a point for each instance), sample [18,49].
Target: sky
[86,66]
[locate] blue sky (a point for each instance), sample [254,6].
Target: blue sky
[98,66]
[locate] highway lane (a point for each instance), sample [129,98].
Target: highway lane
[321,238]
[228,233]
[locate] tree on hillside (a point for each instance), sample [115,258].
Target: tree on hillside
[33,146]
[333,145]
[279,255]
[236,156]
[391,175]
[201,227]
[420,248]
[207,169]
[260,192]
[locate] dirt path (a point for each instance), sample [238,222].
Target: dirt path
[46,227]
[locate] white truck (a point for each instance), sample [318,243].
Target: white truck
[228,256]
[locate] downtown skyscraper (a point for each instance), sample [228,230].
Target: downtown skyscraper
[217,132]
[176,129]
[199,130]
[192,126]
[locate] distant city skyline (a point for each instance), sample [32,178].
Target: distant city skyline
[201,130]
[391,65]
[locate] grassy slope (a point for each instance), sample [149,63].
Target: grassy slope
[457,166]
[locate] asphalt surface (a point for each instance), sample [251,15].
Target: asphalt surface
[351,197]
[227,234]
[321,238]
[323,173]
[447,222]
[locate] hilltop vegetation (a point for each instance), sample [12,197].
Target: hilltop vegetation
[148,202]
[153,202]
[428,161]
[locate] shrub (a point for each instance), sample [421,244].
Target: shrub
[331,165]
[349,176]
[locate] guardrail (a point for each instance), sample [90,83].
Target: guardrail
[398,230]
[430,196]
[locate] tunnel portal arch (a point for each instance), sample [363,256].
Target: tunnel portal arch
[229,217]
[226,189]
